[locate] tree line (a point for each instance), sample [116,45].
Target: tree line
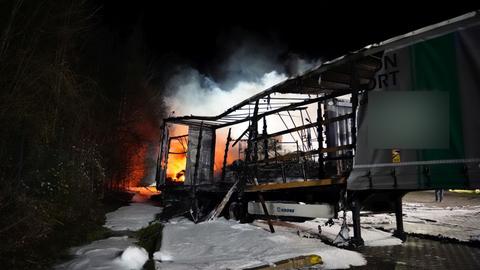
[78,115]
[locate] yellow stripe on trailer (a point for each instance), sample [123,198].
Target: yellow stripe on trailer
[300,184]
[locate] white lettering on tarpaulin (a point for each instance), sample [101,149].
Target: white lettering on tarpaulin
[279,209]
[388,74]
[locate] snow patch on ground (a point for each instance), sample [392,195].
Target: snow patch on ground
[371,236]
[226,244]
[132,217]
[107,254]
[116,252]
[459,223]
[132,258]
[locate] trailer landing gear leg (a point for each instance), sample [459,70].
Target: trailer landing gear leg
[357,240]
[399,232]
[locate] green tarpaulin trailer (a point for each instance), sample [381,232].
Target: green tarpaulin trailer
[419,124]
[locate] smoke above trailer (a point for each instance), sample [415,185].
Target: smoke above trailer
[198,94]
[247,66]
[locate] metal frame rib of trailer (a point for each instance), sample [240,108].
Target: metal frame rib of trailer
[351,75]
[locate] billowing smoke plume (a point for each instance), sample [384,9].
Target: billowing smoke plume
[250,68]
[198,94]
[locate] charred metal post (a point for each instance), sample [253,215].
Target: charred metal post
[160,155]
[354,100]
[321,169]
[212,154]
[227,144]
[357,232]
[304,172]
[244,176]
[265,140]
[328,140]
[302,131]
[197,157]
[252,140]
[195,175]
[354,84]
[252,135]
[298,151]
[282,166]
[166,158]
[399,232]
[301,162]
[265,210]
[275,150]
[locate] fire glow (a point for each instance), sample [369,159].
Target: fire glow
[137,166]
[177,157]
[220,142]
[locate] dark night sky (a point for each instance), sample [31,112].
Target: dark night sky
[203,34]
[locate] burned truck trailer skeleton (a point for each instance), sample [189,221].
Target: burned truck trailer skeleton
[357,132]
[289,169]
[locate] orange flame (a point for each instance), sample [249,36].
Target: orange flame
[232,154]
[220,154]
[177,157]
